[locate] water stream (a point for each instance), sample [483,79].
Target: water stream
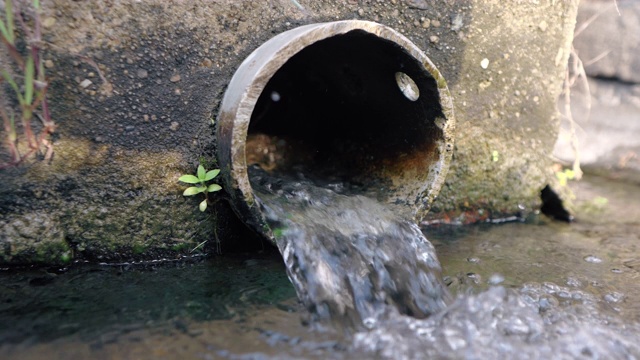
[528,290]
[354,261]
[350,259]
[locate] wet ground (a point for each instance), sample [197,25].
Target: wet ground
[527,288]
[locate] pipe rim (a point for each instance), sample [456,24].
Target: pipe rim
[251,78]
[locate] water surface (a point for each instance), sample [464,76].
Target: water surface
[535,289]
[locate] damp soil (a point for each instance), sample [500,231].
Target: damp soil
[529,289]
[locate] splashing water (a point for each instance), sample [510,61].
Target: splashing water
[351,259]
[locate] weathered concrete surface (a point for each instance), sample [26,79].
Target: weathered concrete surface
[111,190]
[506,114]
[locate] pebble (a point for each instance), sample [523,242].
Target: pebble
[207,63]
[456,22]
[142,73]
[484,63]
[435,23]
[418,4]
[174,125]
[49,22]
[434,39]
[175,78]
[543,26]
[85,83]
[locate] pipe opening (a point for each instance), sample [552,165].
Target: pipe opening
[354,108]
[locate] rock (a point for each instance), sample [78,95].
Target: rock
[85,83]
[418,4]
[142,73]
[603,143]
[608,45]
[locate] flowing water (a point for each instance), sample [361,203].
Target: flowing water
[350,259]
[529,289]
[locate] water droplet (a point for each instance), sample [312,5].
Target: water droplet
[573,282]
[421,332]
[474,277]
[275,96]
[369,323]
[614,297]
[547,302]
[496,279]
[473,260]
[592,259]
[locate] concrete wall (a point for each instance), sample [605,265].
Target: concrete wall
[111,192]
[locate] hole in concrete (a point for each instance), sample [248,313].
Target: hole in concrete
[333,112]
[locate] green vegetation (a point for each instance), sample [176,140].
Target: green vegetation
[31,95]
[565,175]
[495,156]
[200,180]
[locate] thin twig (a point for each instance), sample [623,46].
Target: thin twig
[597,58]
[615,2]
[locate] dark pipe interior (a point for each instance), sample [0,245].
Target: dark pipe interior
[334,111]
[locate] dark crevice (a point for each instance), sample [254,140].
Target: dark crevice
[553,207]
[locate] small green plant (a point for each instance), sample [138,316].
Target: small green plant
[495,156]
[200,181]
[32,93]
[565,175]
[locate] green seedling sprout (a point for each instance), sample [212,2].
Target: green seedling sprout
[200,181]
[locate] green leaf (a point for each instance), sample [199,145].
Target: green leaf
[189,179]
[203,205]
[7,32]
[12,129]
[211,174]
[214,188]
[201,172]
[4,32]
[13,84]
[570,174]
[193,190]
[28,81]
